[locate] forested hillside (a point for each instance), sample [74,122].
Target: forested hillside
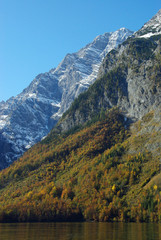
[100,172]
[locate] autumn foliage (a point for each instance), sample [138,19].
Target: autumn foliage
[89,174]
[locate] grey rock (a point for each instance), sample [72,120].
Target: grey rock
[129,79]
[28,117]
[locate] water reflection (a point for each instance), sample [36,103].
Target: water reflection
[80,231]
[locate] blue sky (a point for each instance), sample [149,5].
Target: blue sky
[37,34]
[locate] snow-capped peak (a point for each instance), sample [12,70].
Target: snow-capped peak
[151,28]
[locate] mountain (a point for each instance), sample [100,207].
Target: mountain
[29,116]
[101,162]
[151,28]
[128,78]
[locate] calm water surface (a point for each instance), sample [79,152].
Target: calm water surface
[80,231]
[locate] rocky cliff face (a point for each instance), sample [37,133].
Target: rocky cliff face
[28,117]
[129,78]
[79,70]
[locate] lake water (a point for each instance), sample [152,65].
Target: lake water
[80,231]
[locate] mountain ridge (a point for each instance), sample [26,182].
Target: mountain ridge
[127,79]
[130,96]
[29,116]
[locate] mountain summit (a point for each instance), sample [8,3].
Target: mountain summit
[29,116]
[151,28]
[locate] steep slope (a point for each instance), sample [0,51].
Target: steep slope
[129,78]
[151,28]
[28,117]
[102,172]
[78,71]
